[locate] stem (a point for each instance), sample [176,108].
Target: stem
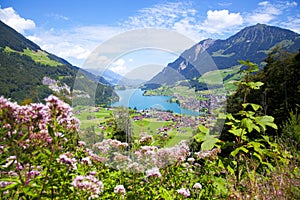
[48,168]
[237,171]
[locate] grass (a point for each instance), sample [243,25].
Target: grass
[220,52]
[37,56]
[148,125]
[88,118]
[218,76]
[176,137]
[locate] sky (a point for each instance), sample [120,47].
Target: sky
[73,29]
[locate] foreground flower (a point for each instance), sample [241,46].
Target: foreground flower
[197,186]
[119,189]
[67,159]
[185,192]
[88,184]
[153,172]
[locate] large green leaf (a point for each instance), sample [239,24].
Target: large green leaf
[253,105]
[209,143]
[237,150]
[236,132]
[203,129]
[248,123]
[264,121]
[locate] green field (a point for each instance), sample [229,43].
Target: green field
[216,77]
[37,56]
[89,117]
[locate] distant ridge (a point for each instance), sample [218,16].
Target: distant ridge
[251,43]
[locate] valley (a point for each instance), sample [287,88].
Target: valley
[220,121]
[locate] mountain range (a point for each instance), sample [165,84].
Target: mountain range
[251,43]
[30,74]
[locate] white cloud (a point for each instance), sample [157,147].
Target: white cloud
[293,23]
[177,16]
[73,44]
[119,67]
[268,12]
[263,3]
[58,16]
[10,17]
[291,4]
[225,4]
[221,20]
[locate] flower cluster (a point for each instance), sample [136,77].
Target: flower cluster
[208,154]
[147,139]
[154,172]
[119,189]
[184,192]
[67,159]
[110,145]
[89,184]
[34,121]
[63,114]
[197,186]
[86,161]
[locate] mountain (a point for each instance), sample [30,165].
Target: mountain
[251,43]
[29,74]
[116,79]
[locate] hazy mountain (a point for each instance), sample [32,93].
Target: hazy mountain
[116,79]
[29,73]
[251,43]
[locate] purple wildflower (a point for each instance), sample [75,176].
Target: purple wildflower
[89,184]
[153,172]
[119,189]
[185,192]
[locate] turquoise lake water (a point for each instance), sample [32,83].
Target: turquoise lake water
[134,98]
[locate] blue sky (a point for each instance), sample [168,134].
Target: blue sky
[72,29]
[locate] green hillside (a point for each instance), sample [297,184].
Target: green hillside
[24,66]
[229,77]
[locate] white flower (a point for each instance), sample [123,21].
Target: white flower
[185,192]
[197,186]
[153,172]
[119,189]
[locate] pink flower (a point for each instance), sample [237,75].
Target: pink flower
[68,160]
[185,192]
[153,172]
[89,184]
[119,189]
[197,186]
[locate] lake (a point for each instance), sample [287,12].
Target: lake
[134,98]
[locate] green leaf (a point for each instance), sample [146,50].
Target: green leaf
[230,117]
[234,152]
[203,129]
[256,146]
[270,166]
[255,85]
[257,156]
[200,137]
[254,106]
[220,164]
[209,143]
[264,121]
[236,132]
[51,132]
[164,193]
[229,169]
[222,116]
